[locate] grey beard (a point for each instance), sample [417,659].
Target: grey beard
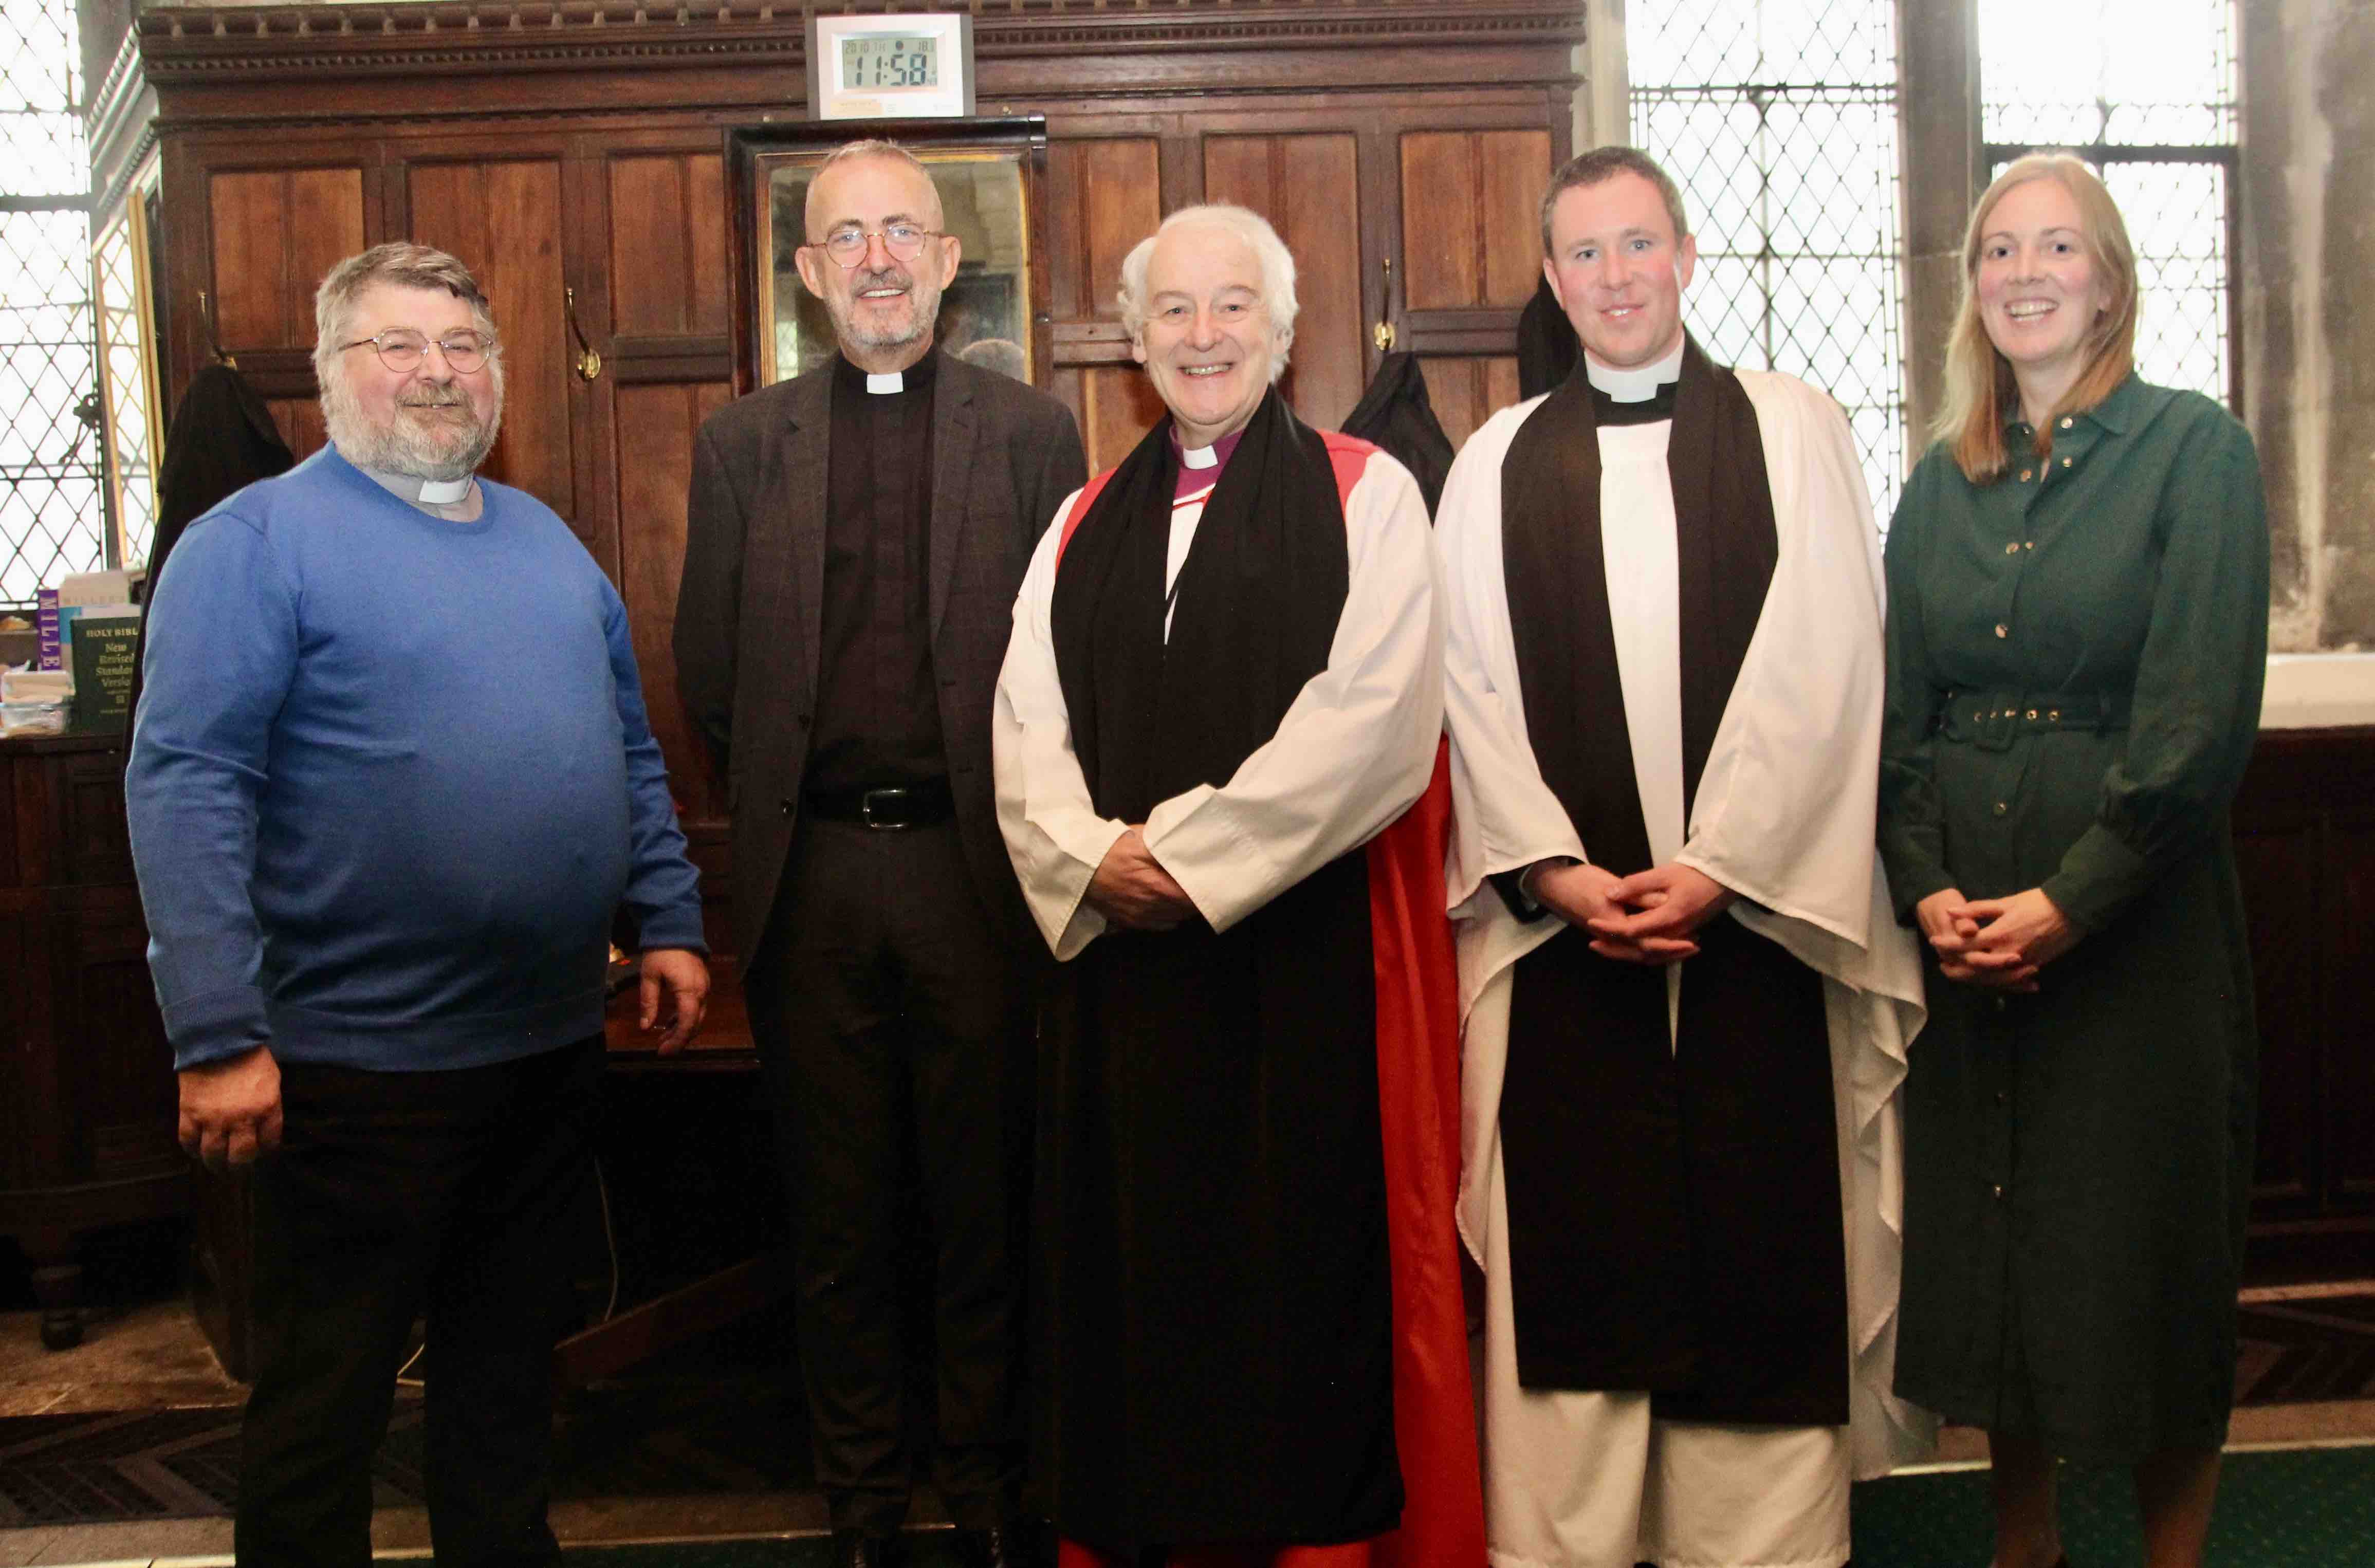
[400,446]
[924,299]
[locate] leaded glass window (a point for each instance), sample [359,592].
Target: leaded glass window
[1778,120]
[2146,91]
[51,506]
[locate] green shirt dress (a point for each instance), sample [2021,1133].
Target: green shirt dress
[2075,656]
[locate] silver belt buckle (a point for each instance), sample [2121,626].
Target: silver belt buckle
[866,809]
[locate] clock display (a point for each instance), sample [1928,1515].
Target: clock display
[879,60]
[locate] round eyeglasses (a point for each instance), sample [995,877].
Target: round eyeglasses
[903,240]
[401,350]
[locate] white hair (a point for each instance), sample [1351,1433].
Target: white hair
[1277,270]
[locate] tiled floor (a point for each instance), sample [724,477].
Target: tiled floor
[147,1356]
[715,1476]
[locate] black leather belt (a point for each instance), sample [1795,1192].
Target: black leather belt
[886,806]
[1991,720]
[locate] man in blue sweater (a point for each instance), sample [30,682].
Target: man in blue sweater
[390,781]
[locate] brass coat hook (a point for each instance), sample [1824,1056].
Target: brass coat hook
[1383,334]
[589,364]
[214,338]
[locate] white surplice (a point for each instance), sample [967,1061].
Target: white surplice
[1784,816]
[1356,749]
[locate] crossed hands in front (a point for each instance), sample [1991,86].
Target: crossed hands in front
[1132,890]
[1997,944]
[1648,917]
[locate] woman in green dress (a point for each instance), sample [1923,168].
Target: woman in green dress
[2077,634]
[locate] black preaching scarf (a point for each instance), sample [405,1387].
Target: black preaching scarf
[1726,546]
[1257,598]
[1674,1207]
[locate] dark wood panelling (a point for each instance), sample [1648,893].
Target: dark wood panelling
[1467,390]
[251,276]
[2305,851]
[276,234]
[1104,198]
[300,420]
[86,1087]
[655,429]
[668,245]
[504,220]
[1471,232]
[2347,1082]
[2278,863]
[1281,177]
[1116,405]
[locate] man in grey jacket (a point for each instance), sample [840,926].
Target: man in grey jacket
[856,539]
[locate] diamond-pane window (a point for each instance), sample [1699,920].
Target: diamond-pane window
[1778,120]
[52,504]
[2146,91]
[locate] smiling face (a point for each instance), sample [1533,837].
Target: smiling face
[1619,270]
[884,308]
[2039,287]
[1207,343]
[428,422]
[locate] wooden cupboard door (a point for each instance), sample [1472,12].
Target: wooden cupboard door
[1115,406]
[503,219]
[1466,389]
[1472,255]
[1471,233]
[1308,186]
[275,232]
[653,429]
[668,245]
[301,425]
[1105,195]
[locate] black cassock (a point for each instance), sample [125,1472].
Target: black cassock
[1213,1312]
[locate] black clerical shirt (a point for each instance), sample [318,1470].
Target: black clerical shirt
[878,714]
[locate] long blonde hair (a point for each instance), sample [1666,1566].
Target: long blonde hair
[1981,392]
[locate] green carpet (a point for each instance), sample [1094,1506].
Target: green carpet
[2309,1508]
[2304,1508]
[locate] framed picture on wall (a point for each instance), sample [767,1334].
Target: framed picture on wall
[991,175]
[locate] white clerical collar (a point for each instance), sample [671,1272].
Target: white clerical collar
[882,385]
[419,491]
[1200,457]
[1639,385]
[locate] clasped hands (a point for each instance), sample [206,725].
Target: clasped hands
[1996,943]
[1132,890]
[1648,917]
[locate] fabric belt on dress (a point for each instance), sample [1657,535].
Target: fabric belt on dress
[885,807]
[1993,720]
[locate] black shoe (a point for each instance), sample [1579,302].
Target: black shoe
[1014,1544]
[861,1548]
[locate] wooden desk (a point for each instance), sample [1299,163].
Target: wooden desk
[87,1095]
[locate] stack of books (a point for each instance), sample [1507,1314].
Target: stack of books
[91,630]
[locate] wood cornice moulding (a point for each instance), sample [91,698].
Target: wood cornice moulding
[119,124]
[199,46]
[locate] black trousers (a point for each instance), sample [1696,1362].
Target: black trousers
[395,1194]
[886,1011]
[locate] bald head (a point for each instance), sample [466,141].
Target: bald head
[866,161]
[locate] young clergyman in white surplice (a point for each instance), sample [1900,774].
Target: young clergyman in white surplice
[1781,823]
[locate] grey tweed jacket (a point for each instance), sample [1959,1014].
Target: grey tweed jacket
[750,609]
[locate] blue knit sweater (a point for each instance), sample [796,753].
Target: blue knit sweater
[391,779]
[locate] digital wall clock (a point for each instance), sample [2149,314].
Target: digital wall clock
[889,67]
